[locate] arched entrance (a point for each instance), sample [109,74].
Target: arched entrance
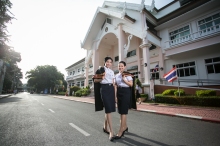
[108,46]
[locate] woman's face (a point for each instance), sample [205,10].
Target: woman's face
[108,63]
[121,67]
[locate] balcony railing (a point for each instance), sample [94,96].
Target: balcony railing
[70,77]
[194,36]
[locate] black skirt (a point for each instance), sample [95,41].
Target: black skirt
[108,97]
[123,95]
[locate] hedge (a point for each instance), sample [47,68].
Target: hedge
[202,93]
[169,92]
[189,100]
[144,95]
[61,93]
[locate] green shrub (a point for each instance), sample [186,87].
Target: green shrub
[188,100]
[78,93]
[61,93]
[74,88]
[181,92]
[82,92]
[144,95]
[202,93]
[169,92]
[85,91]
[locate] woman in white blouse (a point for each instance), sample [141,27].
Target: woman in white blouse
[108,97]
[123,96]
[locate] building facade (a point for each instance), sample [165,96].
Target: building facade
[184,33]
[76,74]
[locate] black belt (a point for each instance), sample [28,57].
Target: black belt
[107,84]
[122,87]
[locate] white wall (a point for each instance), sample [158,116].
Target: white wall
[199,57]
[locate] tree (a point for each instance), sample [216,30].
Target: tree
[44,77]
[10,57]
[5,18]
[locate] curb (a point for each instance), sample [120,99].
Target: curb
[5,96]
[161,113]
[182,116]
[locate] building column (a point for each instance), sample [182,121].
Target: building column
[121,43]
[146,57]
[161,64]
[86,82]
[138,60]
[95,60]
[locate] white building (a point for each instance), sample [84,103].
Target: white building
[184,33]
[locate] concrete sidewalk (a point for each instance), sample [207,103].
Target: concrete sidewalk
[200,113]
[4,95]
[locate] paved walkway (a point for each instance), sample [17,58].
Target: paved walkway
[5,95]
[211,114]
[200,113]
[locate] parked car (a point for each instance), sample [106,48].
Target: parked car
[32,92]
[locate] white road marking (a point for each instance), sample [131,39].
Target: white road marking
[79,129]
[51,110]
[189,116]
[42,104]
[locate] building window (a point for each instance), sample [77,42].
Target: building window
[90,66]
[78,84]
[79,70]
[131,53]
[154,74]
[72,84]
[82,83]
[186,69]
[180,35]
[109,21]
[210,24]
[213,65]
[90,82]
[83,69]
[116,58]
[135,74]
[73,72]
[70,73]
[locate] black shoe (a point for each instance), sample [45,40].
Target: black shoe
[112,138]
[126,129]
[119,137]
[105,130]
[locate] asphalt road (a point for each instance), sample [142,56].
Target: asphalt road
[38,120]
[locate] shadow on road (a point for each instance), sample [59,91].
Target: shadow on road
[130,142]
[10,99]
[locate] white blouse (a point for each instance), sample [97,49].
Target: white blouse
[120,82]
[109,76]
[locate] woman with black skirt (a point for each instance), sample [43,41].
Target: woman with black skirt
[123,95]
[108,96]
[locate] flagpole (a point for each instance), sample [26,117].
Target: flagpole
[178,83]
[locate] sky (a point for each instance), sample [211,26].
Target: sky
[48,32]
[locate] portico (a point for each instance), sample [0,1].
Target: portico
[119,30]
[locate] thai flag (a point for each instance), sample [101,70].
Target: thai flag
[171,75]
[156,68]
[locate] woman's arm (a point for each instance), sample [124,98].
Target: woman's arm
[129,83]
